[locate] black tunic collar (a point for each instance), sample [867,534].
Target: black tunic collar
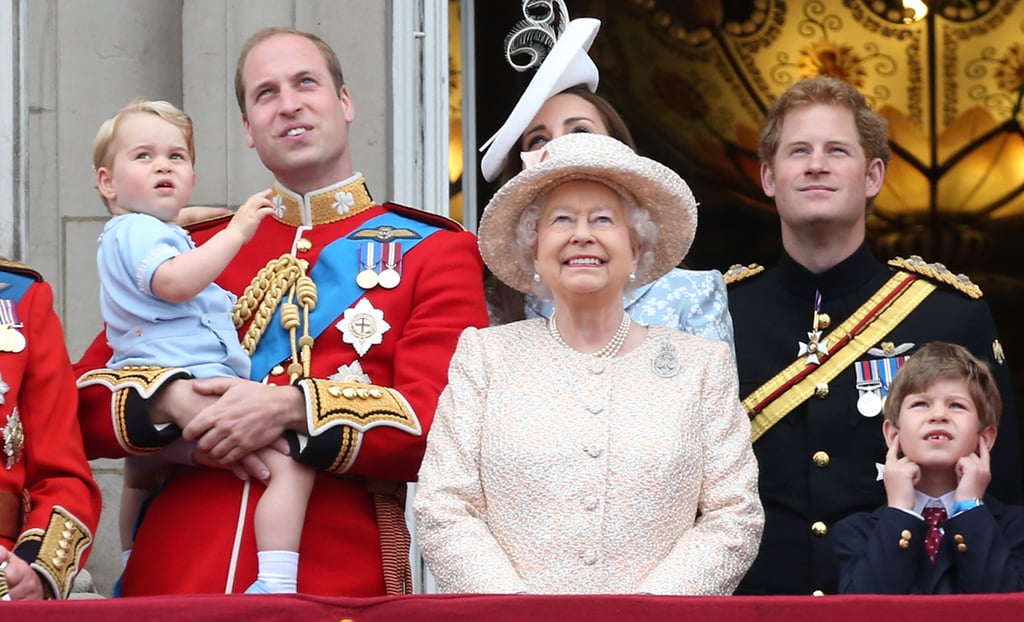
[848,276]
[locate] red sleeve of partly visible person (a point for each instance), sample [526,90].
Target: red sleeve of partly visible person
[446,272]
[63,500]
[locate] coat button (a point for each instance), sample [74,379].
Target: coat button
[819,528]
[817,593]
[821,390]
[824,320]
[303,245]
[277,370]
[821,459]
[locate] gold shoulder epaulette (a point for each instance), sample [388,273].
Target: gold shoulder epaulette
[937,272]
[20,268]
[738,272]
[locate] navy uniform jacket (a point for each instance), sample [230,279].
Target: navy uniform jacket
[982,551]
[821,462]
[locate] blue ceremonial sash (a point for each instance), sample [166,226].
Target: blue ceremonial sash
[17,285]
[334,275]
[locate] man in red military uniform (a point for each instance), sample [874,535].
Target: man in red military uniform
[49,503]
[350,310]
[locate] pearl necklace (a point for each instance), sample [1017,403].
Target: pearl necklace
[609,350]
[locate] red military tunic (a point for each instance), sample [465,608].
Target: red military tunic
[49,502]
[197,535]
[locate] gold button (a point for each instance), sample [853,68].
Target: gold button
[817,593]
[335,391]
[961,547]
[906,534]
[303,245]
[820,459]
[277,370]
[821,390]
[904,544]
[819,528]
[958,538]
[824,320]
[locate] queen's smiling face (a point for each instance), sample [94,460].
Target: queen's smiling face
[584,250]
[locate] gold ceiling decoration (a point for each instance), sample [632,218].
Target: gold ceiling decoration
[948,75]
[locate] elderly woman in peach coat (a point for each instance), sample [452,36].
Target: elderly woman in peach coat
[588,453]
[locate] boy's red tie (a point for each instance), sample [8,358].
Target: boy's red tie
[934,517]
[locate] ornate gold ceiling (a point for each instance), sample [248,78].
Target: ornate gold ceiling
[950,85]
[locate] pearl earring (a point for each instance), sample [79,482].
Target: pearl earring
[536,278]
[632,277]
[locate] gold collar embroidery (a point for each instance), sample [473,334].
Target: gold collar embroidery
[322,206]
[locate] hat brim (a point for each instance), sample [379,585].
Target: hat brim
[654,187]
[566,65]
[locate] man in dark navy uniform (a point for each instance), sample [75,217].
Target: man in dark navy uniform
[819,337]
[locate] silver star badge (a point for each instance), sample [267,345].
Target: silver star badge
[351,373]
[815,345]
[363,326]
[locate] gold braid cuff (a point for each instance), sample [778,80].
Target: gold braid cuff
[355,408]
[60,549]
[145,380]
[875,319]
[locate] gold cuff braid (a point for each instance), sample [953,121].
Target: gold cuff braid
[60,549]
[356,408]
[145,380]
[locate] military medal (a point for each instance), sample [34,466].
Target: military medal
[391,275]
[11,339]
[367,277]
[363,326]
[815,344]
[873,379]
[14,438]
[869,403]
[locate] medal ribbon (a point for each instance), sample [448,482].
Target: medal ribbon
[881,370]
[368,256]
[392,255]
[9,314]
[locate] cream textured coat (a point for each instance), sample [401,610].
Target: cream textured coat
[551,471]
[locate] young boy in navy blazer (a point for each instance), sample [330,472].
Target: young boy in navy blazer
[939,532]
